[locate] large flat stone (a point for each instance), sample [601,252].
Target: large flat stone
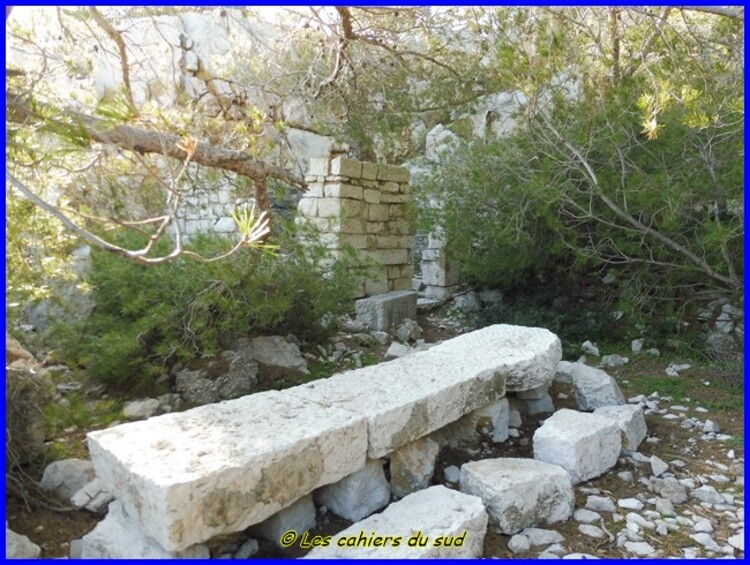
[381,311]
[527,357]
[585,445]
[216,469]
[436,512]
[519,493]
[407,398]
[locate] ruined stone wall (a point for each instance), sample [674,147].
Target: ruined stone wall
[365,205]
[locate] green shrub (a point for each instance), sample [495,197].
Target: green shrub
[147,318]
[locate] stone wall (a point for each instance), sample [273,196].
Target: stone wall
[367,206]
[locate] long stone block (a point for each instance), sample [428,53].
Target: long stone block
[526,357]
[216,469]
[437,513]
[409,397]
[381,311]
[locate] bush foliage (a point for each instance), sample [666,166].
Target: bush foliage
[147,318]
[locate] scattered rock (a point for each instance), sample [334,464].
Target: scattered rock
[590,349]
[224,377]
[140,409]
[591,531]
[614,360]
[408,331]
[67,476]
[738,541]
[710,427]
[412,467]
[274,351]
[675,368]
[468,302]
[658,467]
[630,504]
[396,350]
[671,489]
[639,548]
[299,516]
[93,497]
[636,345]
[586,516]
[19,547]
[540,536]
[708,494]
[358,495]
[519,544]
[593,387]
[381,337]
[248,549]
[706,541]
[600,503]
[452,474]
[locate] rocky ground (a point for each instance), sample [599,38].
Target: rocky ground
[680,495]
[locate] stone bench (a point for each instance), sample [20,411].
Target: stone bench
[217,469]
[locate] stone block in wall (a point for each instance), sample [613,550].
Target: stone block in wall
[375,227]
[399,284]
[225,225]
[377,212]
[346,167]
[319,166]
[334,207]
[314,190]
[376,286]
[371,195]
[394,174]
[341,190]
[390,198]
[355,240]
[390,256]
[400,227]
[308,207]
[389,187]
[348,225]
[405,188]
[370,171]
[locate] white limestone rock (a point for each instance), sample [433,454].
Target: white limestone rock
[67,476]
[140,409]
[452,474]
[396,350]
[275,351]
[658,466]
[93,497]
[519,544]
[119,536]
[519,493]
[526,356]
[593,387]
[358,495]
[541,536]
[600,503]
[412,466]
[413,396]
[586,516]
[19,547]
[488,421]
[299,516]
[216,469]
[583,444]
[381,311]
[737,541]
[631,422]
[437,512]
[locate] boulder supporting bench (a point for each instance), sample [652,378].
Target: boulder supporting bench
[187,477]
